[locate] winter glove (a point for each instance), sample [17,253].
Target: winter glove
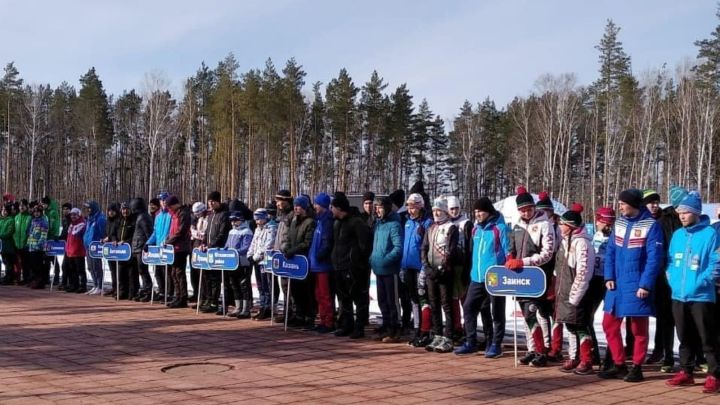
[514,264]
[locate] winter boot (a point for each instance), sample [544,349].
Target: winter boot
[635,374]
[245,313]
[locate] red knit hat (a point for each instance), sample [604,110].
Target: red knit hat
[606,215]
[573,217]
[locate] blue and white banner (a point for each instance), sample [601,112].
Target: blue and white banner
[267,263]
[528,282]
[95,250]
[296,268]
[159,255]
[118,253]
[223,259]
[53,247]
[199,260]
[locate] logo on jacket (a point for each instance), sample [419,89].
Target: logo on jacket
[492,279]
[638,233]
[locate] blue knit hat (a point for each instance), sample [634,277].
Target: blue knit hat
[260,213]
[677,194]
[302,202]
[323,200]
[691,203]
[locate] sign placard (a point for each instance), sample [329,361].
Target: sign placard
[54,248]
[267,262]
[159,255]
[223,259]
[95,250]
[528,282]
[296,268]
[199,260]
[119,253]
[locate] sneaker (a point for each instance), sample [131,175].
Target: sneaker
[655,357]
[584,369]
[527,358]
[554,357]
[391,338]
[97,291]
[614,371]
[667,368]
[493,352]
[635,374]
[437,339]
[422,341]
[569,365]
[704,368]
[322,329]
[680,379]
[91,292]
[466,348]
[712,385]
[539,361]
[445,346]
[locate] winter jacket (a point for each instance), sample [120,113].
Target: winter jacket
[262,241]
[65,223]
[299,236]
[463,252]
[387,245]
[95,227]
[414,234]
[22,222]
[143,224]
[53,216]
[37,234]
[179,234]
[574,269]
[321,245]
[112,223]
[692,258]
[633,258]
[600,242]
[218,227]
[161,228]
[352,243]
[74,246]
[124,230]
[7,231]
[534,243]
[240,239]
[198,228]
[439,248]
[490,246]
[283,221]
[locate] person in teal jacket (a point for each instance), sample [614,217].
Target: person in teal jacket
[692,260]
[95,232]
[161,229]
[385,263]
[490,247]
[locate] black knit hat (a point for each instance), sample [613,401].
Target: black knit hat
[67,205]
[385,202]
[650,195]
[271,208]
[340,201]
[524,199]
[368,196]
[632,197]
[485,205]
[214,196]
[284,195]
[397,197]
[573,217]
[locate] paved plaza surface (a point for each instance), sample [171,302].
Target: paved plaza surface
[69,348]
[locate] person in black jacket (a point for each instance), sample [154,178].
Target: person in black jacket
[350,253]
[143,230]
[111,225]
[127,283]
[179,237]
[216,235]
[62,283]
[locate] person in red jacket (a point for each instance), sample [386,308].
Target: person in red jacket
[179,237]
[75,252]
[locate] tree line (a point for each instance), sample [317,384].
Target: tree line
[249,133]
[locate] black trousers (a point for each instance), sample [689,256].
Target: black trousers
[408,290]
[303,296]
[125,282]
[113,265]
[388,300]
[179,277]
[697,330]
[440,293]
[143,273]
[353,288]
[491,309]
[665,324]
[9,263]
[75,272]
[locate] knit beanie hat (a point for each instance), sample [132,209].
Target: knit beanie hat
[163,196]
[236,215]
[606,215]
[573,217]
[368,196]
[260,213]
[691,203]
[485,205]
[677,194]
[650,195]
[340,201]
[524,199]
[302,202]
[271,208]
[440,203]
[67,205]
[75,211]
[214,196]
[453,202]
[632,197]
[323,200]
[415,200]
[198,207]
[397,197]
[544,202]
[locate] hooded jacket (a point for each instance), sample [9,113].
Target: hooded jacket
[7,231]
[262,241]
[22,222]
[240,238]
[300,236]
[37,234]
[161,228]
[112,223]
[125,229]
[414,234]
[439,248]
[692,258]
[179,235]
[218,227]
[53,215]
[574,268]
[143,224]
[198,227]
[633,259]
[534,243]
[387,245]
[74,246]
[322,241]
[490,246]
[95,227]
[352,242]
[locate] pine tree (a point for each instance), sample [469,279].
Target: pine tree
[340,97]
[374,109]
[708,68]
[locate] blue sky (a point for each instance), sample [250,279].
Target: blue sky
[446,52]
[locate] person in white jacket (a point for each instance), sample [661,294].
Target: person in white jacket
[262,242]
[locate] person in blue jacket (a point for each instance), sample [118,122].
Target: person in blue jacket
[692,259]
[385,263]
[95,233]
[321,263]
[411,273]
[490,247]
[161,229]
[633,258]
